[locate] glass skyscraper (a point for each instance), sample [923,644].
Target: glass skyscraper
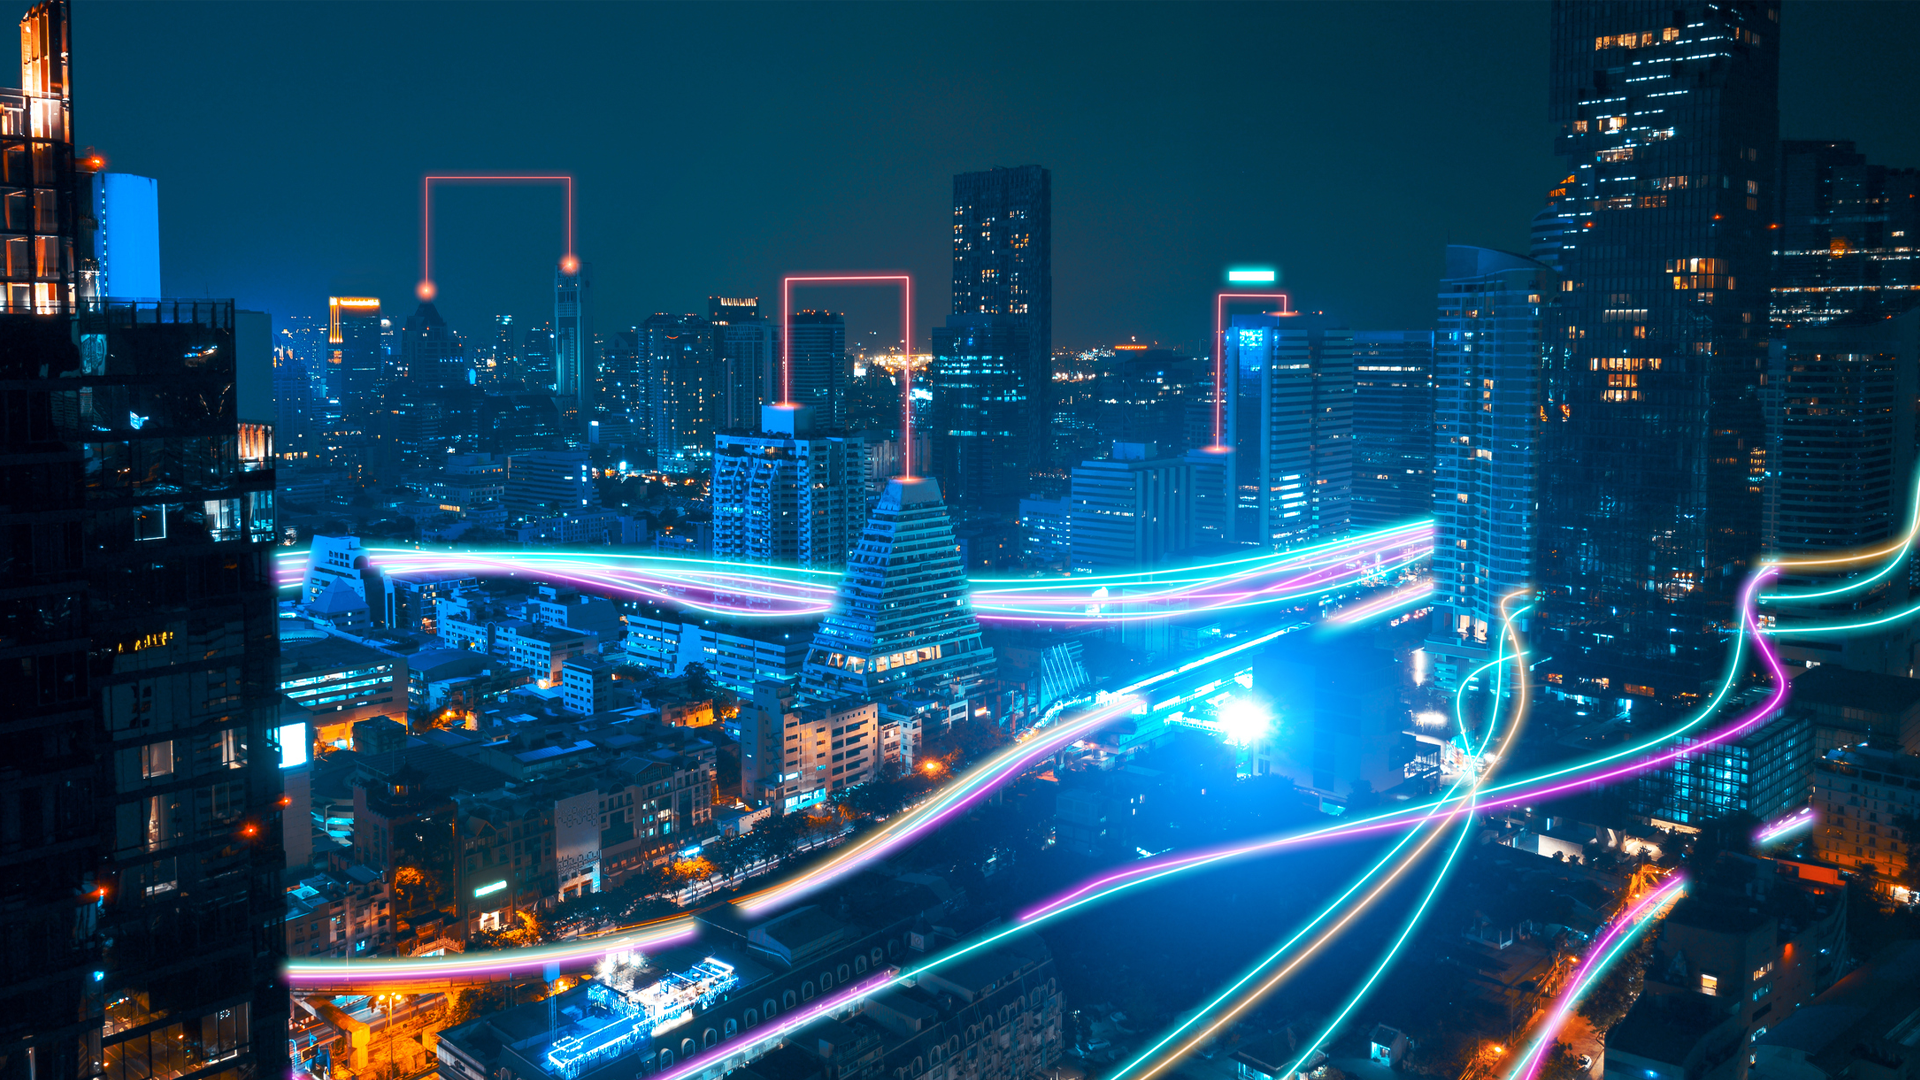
[1487,359]
[1003,265]
[1653,450]
[1392,426]
[682,391]
[983,454]
[821,370]
[1848,235]
[1290,423]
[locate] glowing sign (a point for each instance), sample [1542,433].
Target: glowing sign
[488,890]
[1253,277]
[293,745]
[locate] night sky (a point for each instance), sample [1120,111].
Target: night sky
[719,145]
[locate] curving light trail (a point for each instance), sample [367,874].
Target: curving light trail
[456,966]
[756,591]
[1619,937]
[1783,826]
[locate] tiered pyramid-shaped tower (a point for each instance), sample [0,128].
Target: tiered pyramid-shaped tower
[903,618]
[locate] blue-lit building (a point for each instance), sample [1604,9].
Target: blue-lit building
[1653,462]
[1003,266]
[126,236]
[981,415]
[682,391]
[1766,773]
[1392,426]
[820,370]
[572,338]
[1488,353]
[1289,422]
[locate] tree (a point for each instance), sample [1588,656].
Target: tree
[1561,1063]
[1607,1004]
[474,1002]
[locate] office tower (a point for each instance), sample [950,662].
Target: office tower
[37,172]
[820,368]
[1392,427]
[978,421]
[1556,228]
[354,356]
[1289,421]
[1840,453]
[543,482]
[1487,360]
[1652,458]
[1765,773]
[431,408]
[622,375]
[902,619]
[1003,265]
[681,390]
[126,234]
[143,855]
[1130,512]
[536,358]
[292,404]
[787,494]
[1847,235]
[572,334]
[746,348]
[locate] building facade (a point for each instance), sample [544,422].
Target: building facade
[1488,354]
[787,494]
[1289,422]
[1003,266]
[1130,512]
[1847,236]
[1653,449]
[988,433]
[1393,448]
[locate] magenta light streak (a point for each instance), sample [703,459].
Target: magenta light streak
[1557,1018]
[1523,794]
[1419,590]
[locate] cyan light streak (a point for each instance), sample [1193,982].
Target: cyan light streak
[755,591]
[1901,550]
[1618,939]
[1419,913]
[1238,988]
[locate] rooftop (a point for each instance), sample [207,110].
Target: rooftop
[1831,686]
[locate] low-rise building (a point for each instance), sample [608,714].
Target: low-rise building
[347,914]
[1868,801]
[339,682]
[793,756]
[543,650]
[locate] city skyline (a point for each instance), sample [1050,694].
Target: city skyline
[1144,232]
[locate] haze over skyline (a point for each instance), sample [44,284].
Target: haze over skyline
[703,164]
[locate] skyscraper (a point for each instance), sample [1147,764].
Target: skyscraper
[1487,359]
[1130,512]
[787,494]
[682,390]
[1290,422]
[1840,453]
[572,336]
[126,234]
[140,761]
[820,368]
[37,172]
[983,453]
[1849,235]
[1654,449]
[1392,426]
[1003,265]
[902,618]
[746,349]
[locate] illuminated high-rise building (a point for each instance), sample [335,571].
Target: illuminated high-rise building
[1289,419]
[978,421]
[682,390]
[902,619]
[1003,266]
[1485,440]
[126,234]
[40,231]
[1849,235]
[1392,426]
[821,368]
[1653,453]
[1840,454]
[572,337]
[786,493]
[746,349]
[140,802]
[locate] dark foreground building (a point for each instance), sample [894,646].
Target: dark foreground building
[140,907]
